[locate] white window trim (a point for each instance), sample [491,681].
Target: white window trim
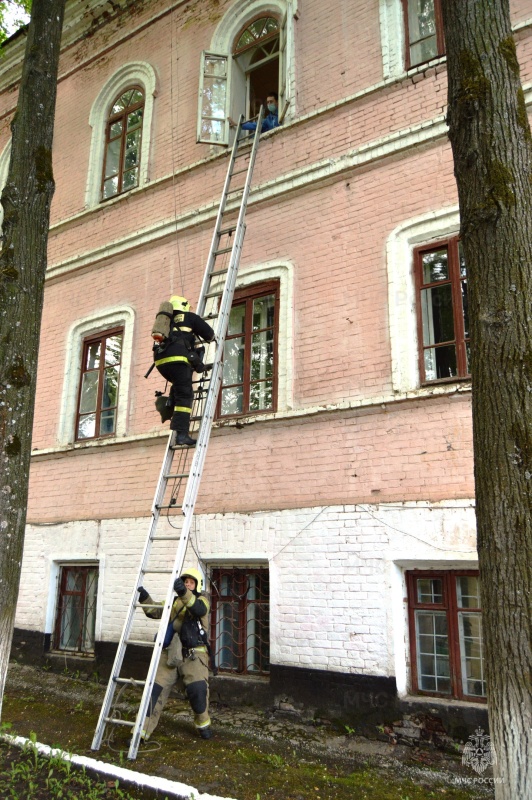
[392,38]
[242,12]
[139,72]
[284,273]
[55,563]
[100,321]
[402,291]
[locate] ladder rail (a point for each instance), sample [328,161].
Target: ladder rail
[198,460]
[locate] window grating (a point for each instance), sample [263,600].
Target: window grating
[76,609]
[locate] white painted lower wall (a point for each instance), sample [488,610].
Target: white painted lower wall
[338,596]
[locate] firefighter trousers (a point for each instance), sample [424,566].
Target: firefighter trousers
[192,677]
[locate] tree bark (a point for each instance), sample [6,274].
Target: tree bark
[492,149]
[26,199]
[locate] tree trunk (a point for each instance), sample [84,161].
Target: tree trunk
[26,199]
[492,149]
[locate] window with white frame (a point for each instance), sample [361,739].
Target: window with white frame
[121,118]
[250,60]
[75,619]
[446,644]
[90,385]
[240,619]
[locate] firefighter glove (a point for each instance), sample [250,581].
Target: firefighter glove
[143,594]
[179,587]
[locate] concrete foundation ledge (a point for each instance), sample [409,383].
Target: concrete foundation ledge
[128,777]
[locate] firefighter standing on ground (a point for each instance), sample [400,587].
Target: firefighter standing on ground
[174,334]
[189,620]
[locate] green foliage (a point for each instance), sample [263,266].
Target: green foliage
[26,774]
[14,14]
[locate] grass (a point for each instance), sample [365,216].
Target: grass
[25,774]
[248,764]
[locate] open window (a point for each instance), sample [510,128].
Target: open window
[238,82]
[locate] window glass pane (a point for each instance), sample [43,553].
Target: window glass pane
[432,651]
[435,266]
[261,396]
[71,622]
[424,51]
[429,590]
[110,187]
[73,580]
[468,357]
[245,39]
[437,314]
[116,129]
[131,158]
[216,66]
[113,350]
[214,90]
[468,591]
[93,356]
[262,355]
[107,422]
[212,130]
[471,653]
[134,119]
[263,312]
[237,319]
[132,139]
[89,392]
[440,362]
[110,387]
[233,371]
[232,400]
[86,427]
[113,158]
[131,179]
[136,97]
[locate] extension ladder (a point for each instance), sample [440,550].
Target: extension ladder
[177,491]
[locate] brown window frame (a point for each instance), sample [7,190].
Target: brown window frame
[63,592]
[237,51]
[111,120]
[455,280]
[241,603]
[440,41]
[247,296]
[450,606]
[100,337]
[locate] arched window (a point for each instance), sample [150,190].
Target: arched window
[123,143]
[251,57]
[256,57]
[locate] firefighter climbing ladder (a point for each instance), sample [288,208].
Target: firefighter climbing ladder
[177,491]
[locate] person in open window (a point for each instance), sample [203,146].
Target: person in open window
[176,357]
[270,121]
[189,623]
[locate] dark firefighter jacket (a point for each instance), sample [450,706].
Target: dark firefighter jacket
[185,324]
[186,612]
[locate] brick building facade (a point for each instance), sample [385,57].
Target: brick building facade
[321,499]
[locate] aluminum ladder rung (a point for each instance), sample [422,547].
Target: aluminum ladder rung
[131,681]
[218,272]
[223,250]
[206,392]
[226,231]
[179,474]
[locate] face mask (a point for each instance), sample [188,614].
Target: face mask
[272,108]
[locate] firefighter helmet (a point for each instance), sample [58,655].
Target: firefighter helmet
[179,303]
[196,575]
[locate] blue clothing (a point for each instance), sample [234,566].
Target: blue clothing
[268,123]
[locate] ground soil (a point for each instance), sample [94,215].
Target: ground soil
[254,754]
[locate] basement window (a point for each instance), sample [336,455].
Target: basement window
[76,609]
[446,644]
[240,620]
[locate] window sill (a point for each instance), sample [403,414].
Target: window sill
[443,701]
